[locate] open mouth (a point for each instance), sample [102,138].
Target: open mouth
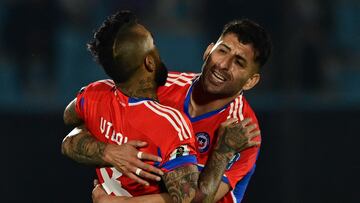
[217,77]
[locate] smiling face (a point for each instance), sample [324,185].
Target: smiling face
[230,67]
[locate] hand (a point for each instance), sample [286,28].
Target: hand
[238,136]
[125,159]
[98,193]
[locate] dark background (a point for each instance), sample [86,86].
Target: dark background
[308,102]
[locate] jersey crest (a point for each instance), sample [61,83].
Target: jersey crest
[203,140]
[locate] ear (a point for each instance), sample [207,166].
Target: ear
[208,50]
[150,63]
[252,81]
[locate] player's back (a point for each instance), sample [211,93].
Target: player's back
[115,118]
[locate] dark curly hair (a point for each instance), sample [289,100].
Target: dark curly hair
[249,32]
[103,44]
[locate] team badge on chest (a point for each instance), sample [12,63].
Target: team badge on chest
[203,140]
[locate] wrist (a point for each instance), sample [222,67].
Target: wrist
[225,150]
[106,156]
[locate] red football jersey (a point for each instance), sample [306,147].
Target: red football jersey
[115,118]
[176,93]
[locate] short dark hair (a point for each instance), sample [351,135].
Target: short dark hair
[247,32]
[102,45]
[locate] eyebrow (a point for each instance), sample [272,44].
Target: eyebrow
[237,56]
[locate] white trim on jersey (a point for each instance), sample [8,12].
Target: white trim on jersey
[108,82]
[231,110]
[236,108]
[241,116]
[181,79]
[138,103]
[167,117]
[179,115]
[171,81]
[182,74]
[111,184]
[233,196]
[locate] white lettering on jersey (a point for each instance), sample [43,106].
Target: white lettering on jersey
[102,125]
[115,136]
[108,129]
[111,183]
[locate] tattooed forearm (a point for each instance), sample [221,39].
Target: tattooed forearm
[83,147]
[210,177]
[181,183]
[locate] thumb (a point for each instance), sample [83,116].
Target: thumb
[96,182]
[137,143]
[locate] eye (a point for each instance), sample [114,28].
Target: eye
[238,63]
[223,51]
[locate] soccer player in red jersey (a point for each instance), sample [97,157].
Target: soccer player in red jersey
[126,108]
[231,67]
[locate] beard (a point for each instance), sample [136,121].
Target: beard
[161,74]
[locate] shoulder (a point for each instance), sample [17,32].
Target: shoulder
[176,87]
[180,79]
[167,119]
[239,108]
[97,88]
[101,85]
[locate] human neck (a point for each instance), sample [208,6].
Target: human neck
[202,102]
[143,87]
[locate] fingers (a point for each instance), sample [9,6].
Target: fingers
[150,157]
[137,143]
[230,121]
[137,179]
[253,134]
[146,174]
[250,127]
[245,122]
[148,168]
[254,143]
[96,182]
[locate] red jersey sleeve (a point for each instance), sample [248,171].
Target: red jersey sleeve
[87,103]
[79,106]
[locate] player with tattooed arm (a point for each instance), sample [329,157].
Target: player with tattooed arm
[213,101]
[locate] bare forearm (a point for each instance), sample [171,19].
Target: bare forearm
[210,176]
[181,183]
[82,147]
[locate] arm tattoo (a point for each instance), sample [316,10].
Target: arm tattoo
[210,176]
[84,148]
[181,183]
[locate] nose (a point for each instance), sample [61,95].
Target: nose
[224,63]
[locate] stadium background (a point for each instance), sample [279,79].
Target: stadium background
[308,101]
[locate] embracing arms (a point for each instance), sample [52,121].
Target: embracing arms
[82,147]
